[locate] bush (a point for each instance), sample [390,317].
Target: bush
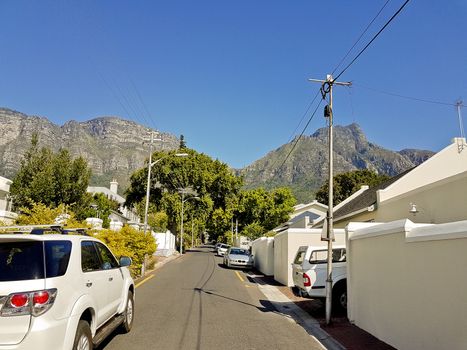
[129,242]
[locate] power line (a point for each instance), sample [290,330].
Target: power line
[425,100]
[373,39]
[340,63]
[303,116]
[301,134]
[361,35]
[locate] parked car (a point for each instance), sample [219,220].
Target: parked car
[238,257]
[216,247]
[222,249]
[61,292]
[309,272]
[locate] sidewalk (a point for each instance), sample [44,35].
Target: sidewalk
[344,334]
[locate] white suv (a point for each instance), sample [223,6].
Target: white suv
[61,292]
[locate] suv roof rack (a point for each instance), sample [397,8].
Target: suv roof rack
[41,229]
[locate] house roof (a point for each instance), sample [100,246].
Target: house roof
[366,199]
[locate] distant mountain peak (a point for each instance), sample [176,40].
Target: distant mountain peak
[306,168]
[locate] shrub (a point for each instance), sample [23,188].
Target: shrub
[129,242]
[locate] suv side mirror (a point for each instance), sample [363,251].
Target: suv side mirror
[125,261]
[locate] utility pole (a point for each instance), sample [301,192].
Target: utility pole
[326,88]
[151,141]
[183,191]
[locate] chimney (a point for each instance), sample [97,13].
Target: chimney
[114,186]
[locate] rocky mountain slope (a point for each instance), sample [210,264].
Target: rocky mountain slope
[306,168]
[112,146]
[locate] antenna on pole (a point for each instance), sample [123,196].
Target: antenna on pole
[326,88]
[460,104]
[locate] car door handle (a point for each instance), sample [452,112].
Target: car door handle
[111,279]
[88,284]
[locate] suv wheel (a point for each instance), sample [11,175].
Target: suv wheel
[83,337]
[129,313]
[339,296]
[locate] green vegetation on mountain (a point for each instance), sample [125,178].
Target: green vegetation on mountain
[306,168]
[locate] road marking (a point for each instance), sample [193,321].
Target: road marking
[144,281]
[239,276]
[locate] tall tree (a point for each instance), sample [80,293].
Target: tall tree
[214,182]
[49,178]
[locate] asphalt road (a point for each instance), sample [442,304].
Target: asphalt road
[193,302]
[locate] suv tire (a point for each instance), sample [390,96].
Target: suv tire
[83,337]
[129,313]
[339,296]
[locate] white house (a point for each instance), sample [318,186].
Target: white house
[125,215]
[304,216]
[434,192]
[7,216]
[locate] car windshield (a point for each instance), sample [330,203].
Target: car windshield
[239,252]
[224,246]
[25,260]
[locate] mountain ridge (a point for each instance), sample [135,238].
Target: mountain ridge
[113,147]
[306,167]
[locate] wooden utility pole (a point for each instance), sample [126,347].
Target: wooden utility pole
[326,88]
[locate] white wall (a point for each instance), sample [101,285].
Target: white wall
[286,245]
[263,251]
[407,283]
[165,243]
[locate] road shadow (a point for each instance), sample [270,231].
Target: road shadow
[266,306]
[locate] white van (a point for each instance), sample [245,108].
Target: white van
[309,271]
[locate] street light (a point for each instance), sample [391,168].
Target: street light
[150,165]
[181,223]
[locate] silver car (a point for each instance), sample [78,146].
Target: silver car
[238,257]
[222,249]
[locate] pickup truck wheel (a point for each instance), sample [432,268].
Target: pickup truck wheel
[129,313]
[83,337]
[339,296]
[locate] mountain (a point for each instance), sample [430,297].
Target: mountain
[113,147]
[306,169]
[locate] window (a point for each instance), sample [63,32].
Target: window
[299,257]
[107,258]
[321,256]
[89,258]
[57,257]
[21,261]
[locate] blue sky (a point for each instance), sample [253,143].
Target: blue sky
[231,76]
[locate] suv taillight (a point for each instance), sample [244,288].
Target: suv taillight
[28,303]
[306,280]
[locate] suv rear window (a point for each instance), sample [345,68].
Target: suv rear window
[24,260]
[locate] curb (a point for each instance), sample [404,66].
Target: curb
[287,307]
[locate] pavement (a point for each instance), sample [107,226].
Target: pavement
[340,334]
[310,314]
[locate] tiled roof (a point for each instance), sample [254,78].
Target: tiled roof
[366,199]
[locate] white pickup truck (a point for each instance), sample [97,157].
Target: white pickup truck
[309,271]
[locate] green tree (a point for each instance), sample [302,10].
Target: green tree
[49,178]
[260,211]
[345,184]
[214,182]
[182,145]
[96,205]
[158,221]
